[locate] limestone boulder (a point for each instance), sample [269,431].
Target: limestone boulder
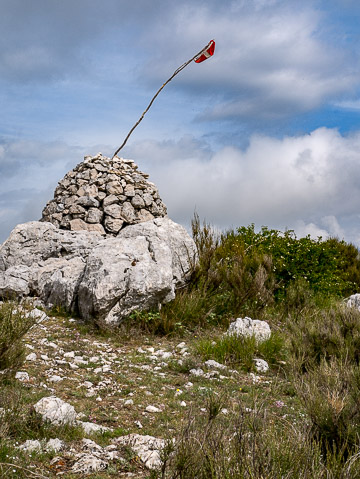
[250,327]
[102,278]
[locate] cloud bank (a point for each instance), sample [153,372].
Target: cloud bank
[310,183]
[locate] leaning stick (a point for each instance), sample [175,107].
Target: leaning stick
[156,94]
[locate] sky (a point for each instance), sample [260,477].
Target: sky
[267,131]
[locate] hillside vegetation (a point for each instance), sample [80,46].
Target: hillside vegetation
[301,419]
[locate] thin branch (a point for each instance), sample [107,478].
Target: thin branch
[178,70]
[23,469]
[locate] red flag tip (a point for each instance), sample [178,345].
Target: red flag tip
[206,53]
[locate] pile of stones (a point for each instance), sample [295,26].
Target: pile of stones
[104,195]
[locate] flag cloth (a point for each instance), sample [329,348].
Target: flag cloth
[206,53]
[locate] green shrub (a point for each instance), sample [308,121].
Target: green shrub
[14,324]
[331,267]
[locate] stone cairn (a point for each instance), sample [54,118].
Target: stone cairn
[104,195]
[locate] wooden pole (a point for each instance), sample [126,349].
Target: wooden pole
[178,70]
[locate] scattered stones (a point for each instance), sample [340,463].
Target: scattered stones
[106,193]
[250,327]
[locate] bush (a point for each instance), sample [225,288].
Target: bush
[331,267]
[14,324]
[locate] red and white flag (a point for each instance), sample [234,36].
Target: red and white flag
[206,53]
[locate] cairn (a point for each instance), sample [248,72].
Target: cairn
[104,195]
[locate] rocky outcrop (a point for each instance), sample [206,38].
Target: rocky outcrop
[103,195]
[101,278]
[247,327]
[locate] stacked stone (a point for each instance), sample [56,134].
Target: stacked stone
[104,195]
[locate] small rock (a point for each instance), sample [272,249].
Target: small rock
[31,357]
[87,464]
[214,364]
[197,372]
[55,379]
[152,409]
[55,410]
[90,427]
[22,376]
[54,445]
[261,365]
[31,446]
[250,327]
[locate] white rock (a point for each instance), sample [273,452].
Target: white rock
[146,447]
[183,404]
[90,427]
[353,301]
[129,402]
[152,409]
[138,424]
[22,376]
[197,372]
[94,359]
[181,345]
[73,366]
[90,393]
[31,446]
[250,327]
[55,410]
[87,464]
[89,445]
[55,379]
[31,357]
[54,445]
[70,354]
[37,314]
[214,364]
[261,365]
[44,357]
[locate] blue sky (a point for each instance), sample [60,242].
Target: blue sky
[267,131]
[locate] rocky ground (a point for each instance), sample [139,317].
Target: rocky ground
[129,393]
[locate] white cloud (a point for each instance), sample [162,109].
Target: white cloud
[310,183]
[269,62]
